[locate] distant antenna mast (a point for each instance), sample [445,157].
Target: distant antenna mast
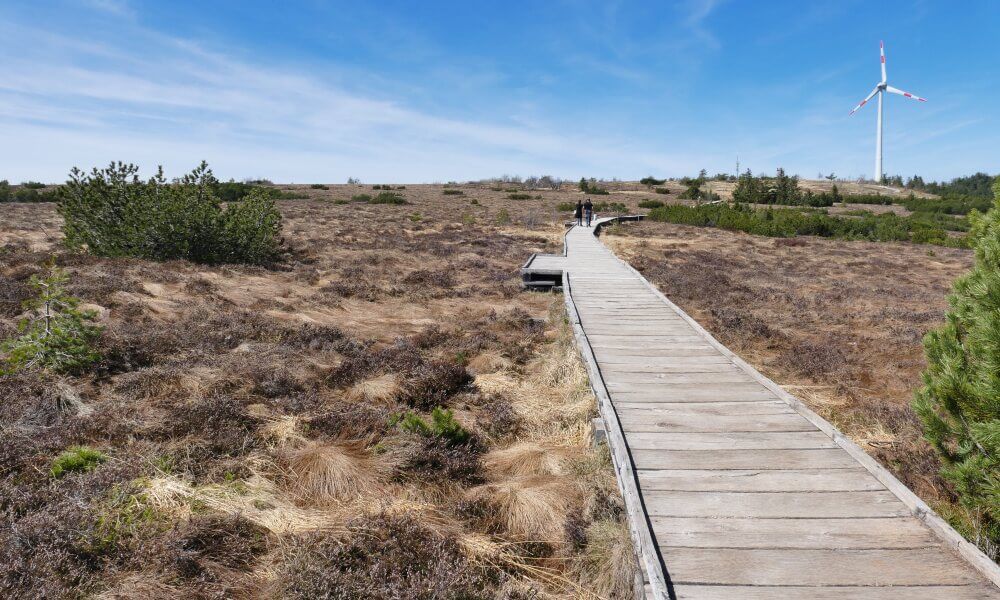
[737,165]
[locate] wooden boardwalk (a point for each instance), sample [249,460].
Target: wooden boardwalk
[734,489]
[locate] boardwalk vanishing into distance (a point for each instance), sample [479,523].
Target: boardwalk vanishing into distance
[734,489]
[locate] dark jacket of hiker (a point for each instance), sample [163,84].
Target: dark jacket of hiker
[588,206]
[579,210]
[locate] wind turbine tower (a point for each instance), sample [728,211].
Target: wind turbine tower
[880,90]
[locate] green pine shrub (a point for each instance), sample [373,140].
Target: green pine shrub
[650,180]
[959,403]
[442,425]
[651,204]
[661,190]
[566,206]
[78,459]
[453,192]
[387,198]
[56,335]
[111,212]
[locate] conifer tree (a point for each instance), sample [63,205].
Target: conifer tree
[959,403]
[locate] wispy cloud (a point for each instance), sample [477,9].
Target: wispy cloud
[178,97]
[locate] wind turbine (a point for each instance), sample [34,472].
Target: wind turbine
[880,89]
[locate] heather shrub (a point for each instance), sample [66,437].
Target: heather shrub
[385,556]
[651,204]
[111,212]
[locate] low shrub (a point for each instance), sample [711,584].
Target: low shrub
[361,198]
[651,204]
[78,459]
[111,212]
[613,207]
[387,198]
[453,193]
[589,186]
[28,192]
[519,196]
[319,186]
[443,425]
[661,190]
[788,222]
[652,181]
[503,217]
[385,556]
[566,206]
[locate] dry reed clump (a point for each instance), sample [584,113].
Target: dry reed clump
[381,389]
[529,509]
[526,459]
[319,473]
[608,565]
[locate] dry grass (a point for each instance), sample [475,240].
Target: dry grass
[272,396]
[839,324]
[320,473]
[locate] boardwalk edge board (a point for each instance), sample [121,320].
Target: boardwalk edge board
[643,537]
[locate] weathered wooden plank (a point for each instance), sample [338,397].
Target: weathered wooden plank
[689,394]
[653,372]
[842,534]
[815,458]
[760,480]
[816,567]
[765,505]
[623,380]
[655,409]
[845,592]
[634,421]
[757,440]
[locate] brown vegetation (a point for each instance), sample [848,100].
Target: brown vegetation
[256,424]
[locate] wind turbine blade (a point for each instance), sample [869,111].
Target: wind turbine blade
[893,90]
[865,101]
[881,49]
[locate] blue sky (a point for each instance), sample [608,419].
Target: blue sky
[433,91]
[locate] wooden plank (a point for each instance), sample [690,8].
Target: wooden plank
[649,379]
[815,458]
[760,480]
[846,592]
[634,421]
[613,371]
[729,441]
[765,505]
[687,394]
[655,409]
[816,567]
[841,534]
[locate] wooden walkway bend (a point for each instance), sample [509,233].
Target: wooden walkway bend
[734,489]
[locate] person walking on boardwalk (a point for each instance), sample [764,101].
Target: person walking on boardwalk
[588,210]
[578,213]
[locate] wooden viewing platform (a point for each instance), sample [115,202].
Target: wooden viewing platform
[734,489]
